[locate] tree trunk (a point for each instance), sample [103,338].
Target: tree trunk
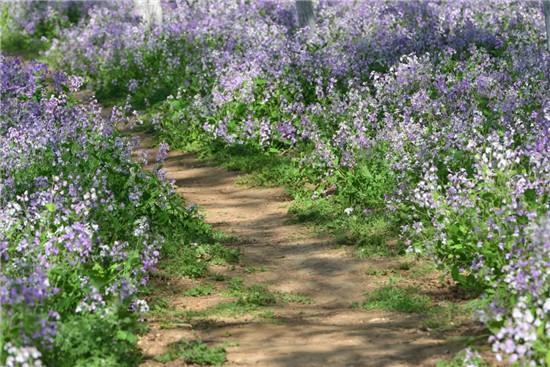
[546,5]
[306,17]
[149,10]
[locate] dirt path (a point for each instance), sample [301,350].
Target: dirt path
[327,332]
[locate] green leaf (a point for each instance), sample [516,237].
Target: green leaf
[530,195]
[459,155]
[50,207]
[455,274]
[122,335]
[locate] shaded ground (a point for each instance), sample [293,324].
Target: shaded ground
[291,259]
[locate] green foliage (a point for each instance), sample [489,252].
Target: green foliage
[254,295]
[257,295]
[200,290]
[194,351]
[393,298]
[366,184]
[377,272]
[269,317]
[425,269]
[15,39]
[193,262]
[97,320]
[254,269]
[294,298]
[370,235]
[465,358]
[191,246]
[444,315]
[218,277]
[248,300]
[96,340]
[225,309]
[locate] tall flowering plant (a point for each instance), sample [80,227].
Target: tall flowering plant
[79,225]
[439,110]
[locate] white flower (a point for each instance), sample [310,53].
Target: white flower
[348,211]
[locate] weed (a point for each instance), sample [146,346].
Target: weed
[172,324]
[200,290]
[393,298]
[294,298]
[254,269]
[269,316]
[193,261]
[218,277]
[257,295]
[425,269]
[404,266]
[235,286]
[224,309]
[466,357]
[377,272]
[194,351]
[372,245]
[443,317]
[159,304]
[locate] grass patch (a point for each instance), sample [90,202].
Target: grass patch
[219,277]
[368,235]
[224,309]
[158,304]
[467,357]
[444,316]
[260,295]
[269,317]
[255,269]
[200,290]
[393,298]
[427,268]
[262,168]
[294,298]
[378,272]
[404,266]
[248,300]
[194,351]
[269,169]
[257,295]
[440,316]
[193,261]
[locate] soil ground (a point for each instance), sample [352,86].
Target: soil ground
[293,259]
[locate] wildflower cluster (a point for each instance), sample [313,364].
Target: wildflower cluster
[31,23]
[439,111]
[80,225]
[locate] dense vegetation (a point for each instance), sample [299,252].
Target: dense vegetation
[432,115]
[81,226]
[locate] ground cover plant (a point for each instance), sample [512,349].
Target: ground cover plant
[430,115]
[82,226]
[194,352]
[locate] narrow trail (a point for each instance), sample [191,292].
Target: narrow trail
[327,332]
